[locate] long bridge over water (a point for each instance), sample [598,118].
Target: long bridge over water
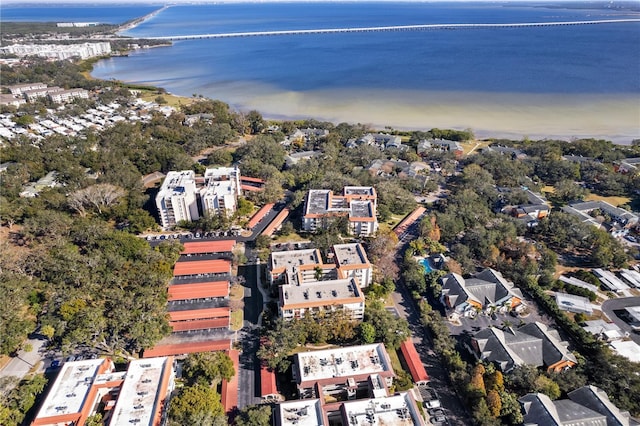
[389,28]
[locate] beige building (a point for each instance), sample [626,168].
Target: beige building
[176,201]
[321,296]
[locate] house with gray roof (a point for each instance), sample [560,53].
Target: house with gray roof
[533,344]
[380,140]
[617,221]
[486,290]
[427,146]
[628,165]
[586,406]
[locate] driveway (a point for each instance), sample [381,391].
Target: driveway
[23,362]
[609,308]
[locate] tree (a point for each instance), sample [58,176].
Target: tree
[367,333]
[547,386]
[196,405]
[254,415]
[494,403]
[256,122]
[208,367]
[97,196]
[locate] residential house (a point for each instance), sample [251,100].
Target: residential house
[628,165]
[533,344]
[616,220]
[586,406]
[379,140]
[426,146]
[484,291]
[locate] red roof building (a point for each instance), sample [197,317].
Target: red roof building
[208,247]
[188,348]
[409,220]
[201,267]
[204,290]
[198,314]
[259,215]
[414,363]
[229,391]
[276,223]
[268,386]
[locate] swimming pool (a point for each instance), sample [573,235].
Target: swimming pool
[425,264]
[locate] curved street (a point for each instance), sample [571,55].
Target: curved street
[609,308]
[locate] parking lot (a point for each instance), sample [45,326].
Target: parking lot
[468,325]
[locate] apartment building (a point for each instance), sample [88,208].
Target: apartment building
[138,395]
[356,203]
[302,266]
[65,96]
[59,51]
[352,262]
[181,193]
[314,297]
[221,190]
[176,200]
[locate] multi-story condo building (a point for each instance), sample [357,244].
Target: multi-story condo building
[59,51]
[302,266]
[138,395]
[68,95]
[176,200]
[221,190]
[321,296]
[19,89]
[358,204]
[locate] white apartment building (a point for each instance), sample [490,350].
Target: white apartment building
[358,203]
[176,201]
[19,89]
[221,190]
[352,262]
[59,51]
[321,296]
[68,95]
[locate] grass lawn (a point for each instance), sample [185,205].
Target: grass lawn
[172,100]
[616,201]
[470,146]
[395,361]
[237,320]
[236,292]
[293,237]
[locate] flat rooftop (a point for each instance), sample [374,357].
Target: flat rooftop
[316,293]
[306,412]
[361,209]
[350,254]
[293,258]
[318,201]
[342,362]
[359,190]
[69,391]
[396,410]
[142,392]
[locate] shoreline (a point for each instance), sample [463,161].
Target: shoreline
[127,26]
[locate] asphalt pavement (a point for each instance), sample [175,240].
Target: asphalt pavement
[23,362]
[610,306]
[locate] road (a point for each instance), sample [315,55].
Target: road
[23,362]
[610,306]
[407,309]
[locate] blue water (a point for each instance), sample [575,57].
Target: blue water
[543,81]
[114,14]
[425,264]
